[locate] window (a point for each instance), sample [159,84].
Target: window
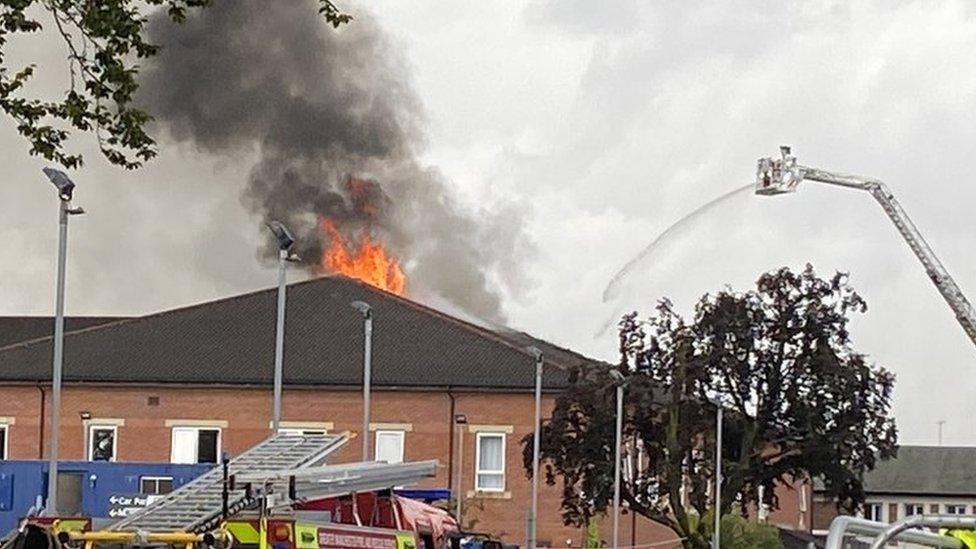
[490,473]
[195,445]
[301,431]
[955,509]
[872,511]
[102,442]
[155,486]
[389,446]
[914,509]
[3,440]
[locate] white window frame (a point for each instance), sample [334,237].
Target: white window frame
[919,508]
[961,507]
[156,479]
[89,439]
[478,471]
[402,435]
[196,447]
[5,427]
[874,505]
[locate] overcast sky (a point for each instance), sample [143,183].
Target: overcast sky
[605,123]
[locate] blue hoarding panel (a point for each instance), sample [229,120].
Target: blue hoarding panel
[425,494]
[6,491]
[22,483]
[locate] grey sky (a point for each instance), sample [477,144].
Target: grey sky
[604,123]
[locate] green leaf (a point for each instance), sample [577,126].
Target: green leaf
[101,37]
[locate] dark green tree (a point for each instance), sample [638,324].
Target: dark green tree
[105,41]
[739,533]
[800,403]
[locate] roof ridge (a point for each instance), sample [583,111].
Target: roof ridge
[470,326]
[566,350]
[66,316]
[113,324]
[29,342]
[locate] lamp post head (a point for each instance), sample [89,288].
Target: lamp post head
[618,378]
[363,308]
[535,352]
[61,181]
[282,235]
[778,175]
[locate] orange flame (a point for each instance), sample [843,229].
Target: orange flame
[368,262]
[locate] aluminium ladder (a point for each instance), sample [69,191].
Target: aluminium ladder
[313,483]
[197,505]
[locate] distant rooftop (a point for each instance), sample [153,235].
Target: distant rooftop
[926,470]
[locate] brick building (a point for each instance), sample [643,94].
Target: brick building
[187,384]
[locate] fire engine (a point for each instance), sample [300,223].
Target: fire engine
[276,495]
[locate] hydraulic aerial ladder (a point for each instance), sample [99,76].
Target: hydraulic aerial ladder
[782,175]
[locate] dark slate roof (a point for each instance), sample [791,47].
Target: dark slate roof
[926,470]
[14,329]
[231,341]
[551,353]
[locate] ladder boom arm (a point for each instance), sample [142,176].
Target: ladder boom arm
[950,291]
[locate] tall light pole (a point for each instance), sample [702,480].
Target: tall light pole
[285,242]
[460,420]
[65,189]
[536,428]
[717,536]
[367,313]
[619,380]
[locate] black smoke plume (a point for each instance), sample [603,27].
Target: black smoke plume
[327,112]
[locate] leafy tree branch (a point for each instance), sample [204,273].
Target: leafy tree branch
[105,40]
[801,404]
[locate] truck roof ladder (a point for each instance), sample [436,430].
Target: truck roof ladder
[198,505]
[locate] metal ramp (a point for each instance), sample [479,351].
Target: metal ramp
[197,505]
[311,483]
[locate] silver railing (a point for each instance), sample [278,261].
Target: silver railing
[843,527]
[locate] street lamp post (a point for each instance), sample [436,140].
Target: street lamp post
[717,536]
[460,420]
[65,189]
[619,381]
[285,242]
[536,428]
[367,313]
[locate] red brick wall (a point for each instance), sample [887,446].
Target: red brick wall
[790,513]
[22,405]
[145,437]
[824,512]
